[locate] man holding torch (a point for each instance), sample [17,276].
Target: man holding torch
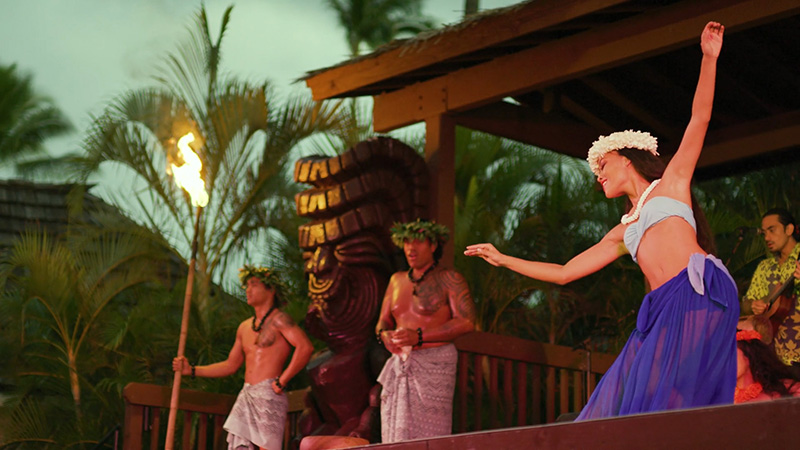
[263,343]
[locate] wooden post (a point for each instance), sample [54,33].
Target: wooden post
[440,151]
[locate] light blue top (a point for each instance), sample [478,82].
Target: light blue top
[653,212]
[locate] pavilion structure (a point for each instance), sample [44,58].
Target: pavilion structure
[558,73]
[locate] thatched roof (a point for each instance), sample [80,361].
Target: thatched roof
[29,206]
[558,73]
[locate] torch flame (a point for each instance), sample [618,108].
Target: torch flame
[188,175]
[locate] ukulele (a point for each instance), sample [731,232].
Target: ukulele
[780,304]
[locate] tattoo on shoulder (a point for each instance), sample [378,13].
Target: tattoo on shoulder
[284,320]
[452,281]
[457,287]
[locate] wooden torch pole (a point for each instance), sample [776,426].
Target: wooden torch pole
[187,303]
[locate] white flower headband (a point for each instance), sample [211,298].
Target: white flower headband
[640,140]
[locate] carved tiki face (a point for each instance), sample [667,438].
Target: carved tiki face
[345,283]
[348,252]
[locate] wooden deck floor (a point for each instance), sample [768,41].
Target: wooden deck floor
[749,426]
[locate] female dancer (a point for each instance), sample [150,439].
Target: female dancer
[760,373]
[682,353]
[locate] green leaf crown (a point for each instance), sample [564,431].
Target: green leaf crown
[419,230]
[270,277]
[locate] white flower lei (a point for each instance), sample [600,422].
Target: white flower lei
[641,140]
[634,216]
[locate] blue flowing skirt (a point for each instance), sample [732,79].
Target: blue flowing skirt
[682,353]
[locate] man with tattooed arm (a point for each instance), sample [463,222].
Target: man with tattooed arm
[263,343]
[423,311]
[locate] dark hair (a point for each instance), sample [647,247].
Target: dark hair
[767,368]
[651,167]
[277,298]
[785,218]
[437,254]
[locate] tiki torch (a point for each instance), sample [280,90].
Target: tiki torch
[187,176]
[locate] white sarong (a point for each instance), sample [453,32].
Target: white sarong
[257,418]
[417,395]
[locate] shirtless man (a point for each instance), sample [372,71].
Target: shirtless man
[423,311]
[263,343]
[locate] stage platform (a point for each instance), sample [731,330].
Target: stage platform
[748,426]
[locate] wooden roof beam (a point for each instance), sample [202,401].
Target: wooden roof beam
[593,51]
[751,139]
[745,92]
[584,114]
[525,125]
[612,94]
[488,32]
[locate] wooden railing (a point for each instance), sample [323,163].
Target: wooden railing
[520,382]
[147,405]
[502,381]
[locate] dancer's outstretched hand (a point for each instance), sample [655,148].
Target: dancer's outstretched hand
[485,251]
[711,39]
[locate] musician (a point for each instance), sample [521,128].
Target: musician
[781,236]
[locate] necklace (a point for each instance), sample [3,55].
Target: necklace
[750,392]
[416,281]
[634,216]
[260,324]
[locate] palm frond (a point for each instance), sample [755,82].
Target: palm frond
[28,424]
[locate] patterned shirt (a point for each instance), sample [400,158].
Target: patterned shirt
[768,276]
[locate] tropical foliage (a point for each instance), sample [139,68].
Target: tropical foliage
[59,311]
[734,206]
[79,348]
[26,121]
[247,140]
[372,23]
[536,204]
[244,139]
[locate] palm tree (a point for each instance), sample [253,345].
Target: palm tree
[372,23]
[26,119]
[539,205]
[59,299]
[566,216]
[471,7]
[246,140]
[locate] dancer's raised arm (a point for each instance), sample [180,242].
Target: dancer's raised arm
[678,174]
